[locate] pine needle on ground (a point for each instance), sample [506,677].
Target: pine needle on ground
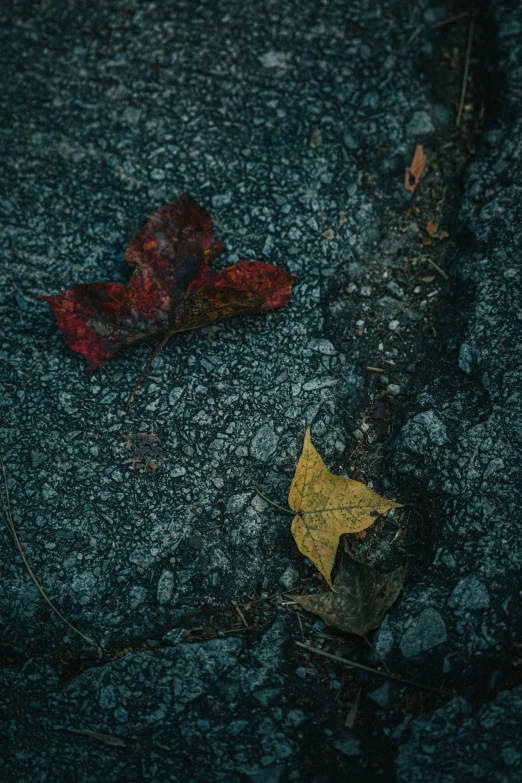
[7,517]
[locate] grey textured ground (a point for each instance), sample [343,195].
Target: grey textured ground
[111,109]
[476,576]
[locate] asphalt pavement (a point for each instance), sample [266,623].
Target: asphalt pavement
[293,124]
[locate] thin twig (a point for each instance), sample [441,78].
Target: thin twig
[450,20]
[300,625]
[7,517]
[282,508]
[107,739]
[146,368]
[438,269]
[355,665]
[242,616]
[466,71]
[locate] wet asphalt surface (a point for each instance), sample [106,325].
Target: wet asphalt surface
[293,124]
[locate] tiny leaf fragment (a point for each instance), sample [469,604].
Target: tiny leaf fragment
[414,172]
[432,227]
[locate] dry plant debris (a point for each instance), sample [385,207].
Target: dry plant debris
[107,739]
[432,227]
[361,599]
[413,174]
[147,451]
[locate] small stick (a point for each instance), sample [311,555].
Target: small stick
[450,20]
[146,368]
[355,665]
[7,516]
[439,270]
[375,369]
[107,739]
[300,624]
[282,508]
[466,72]
[242,616]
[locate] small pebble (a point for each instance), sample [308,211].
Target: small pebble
[289,578]
[394,290]
[357,434]
[393,325]
[301,672]
[394,389]
[366,290]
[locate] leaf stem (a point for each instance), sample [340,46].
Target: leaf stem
[367,668]
[282,508]
[466,71]
[146,368]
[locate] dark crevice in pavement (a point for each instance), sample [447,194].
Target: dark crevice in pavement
[432,350]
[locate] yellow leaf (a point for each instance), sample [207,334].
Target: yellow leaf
[328,506]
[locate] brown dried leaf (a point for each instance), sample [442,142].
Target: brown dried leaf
[361,599]
[432,227]
[413,174]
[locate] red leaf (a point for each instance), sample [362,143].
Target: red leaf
[171,289]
